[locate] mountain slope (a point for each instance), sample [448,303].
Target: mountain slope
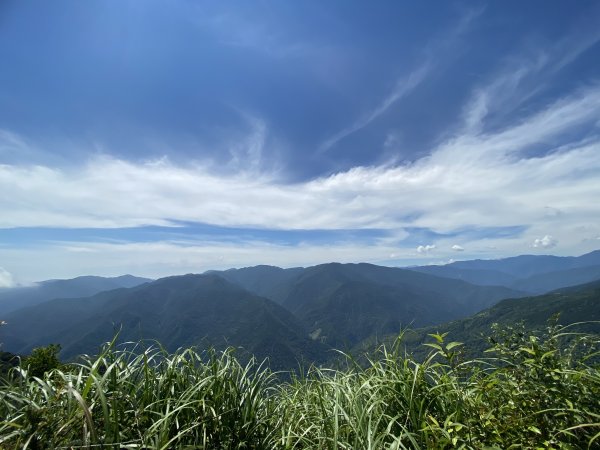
[550,281]
[535,274]
[342,304]
[180,311]
[528,265]
[267,281]
[574,304]
[482,277]
[12,299]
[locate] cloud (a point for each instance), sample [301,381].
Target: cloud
[425,248]
[231,27]
[518,79]
[435,52]
[457,248]
[247,154]
[157,259]
[480,177]
[467,182]
[403,87]
[545,242]
[6,279]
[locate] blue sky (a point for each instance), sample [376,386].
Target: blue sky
[163,137]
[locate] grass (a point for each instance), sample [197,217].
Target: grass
[536,391]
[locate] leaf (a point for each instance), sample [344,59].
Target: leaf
[451,345]
[438,337]
[435,346]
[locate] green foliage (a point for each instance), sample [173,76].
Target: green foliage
[536,391]
[42,360]
[574,306]
[7,362]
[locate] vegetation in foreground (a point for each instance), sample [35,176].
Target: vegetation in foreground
[536,391]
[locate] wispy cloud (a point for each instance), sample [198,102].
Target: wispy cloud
[6,279]
[251,30]
[156,259]
[247,154]
[470,181]
[434,54]
[485,175]
[521,77]
[403,86]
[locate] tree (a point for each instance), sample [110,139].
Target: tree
[42,360]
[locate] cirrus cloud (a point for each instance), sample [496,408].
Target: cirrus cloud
[473,180]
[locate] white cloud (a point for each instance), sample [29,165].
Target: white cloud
[545,242]
[403,86]
[441,47]
[6,279]
[157,259]
[469,181]
[475,179]
[457,248]
[425,248]
[518,79]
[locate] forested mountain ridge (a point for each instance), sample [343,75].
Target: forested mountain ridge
[296,314]
[186,310]
[15,298]
[576,306]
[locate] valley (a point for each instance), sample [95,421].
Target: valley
[300,316]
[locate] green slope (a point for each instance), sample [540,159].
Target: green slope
[180,311]
[341,304]
[573,305]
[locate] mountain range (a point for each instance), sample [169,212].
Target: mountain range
[534,274]
[292,316]
[575,306]
[12,299]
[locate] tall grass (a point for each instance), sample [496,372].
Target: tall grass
[536,391]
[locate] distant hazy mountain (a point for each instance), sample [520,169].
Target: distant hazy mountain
[12,299]
[179,311]
[481,277]
[530,273]
[549,281]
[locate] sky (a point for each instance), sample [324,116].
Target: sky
[167,137]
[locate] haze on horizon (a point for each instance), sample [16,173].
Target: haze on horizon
[159,138]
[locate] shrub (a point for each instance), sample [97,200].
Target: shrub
[537,390]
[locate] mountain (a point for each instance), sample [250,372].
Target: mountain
[267,281]
[535,274]
[12,299]
[289,315]
[178,311]
[482,277]
[528,265]
[573,304]
[550,281]
[341,304]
